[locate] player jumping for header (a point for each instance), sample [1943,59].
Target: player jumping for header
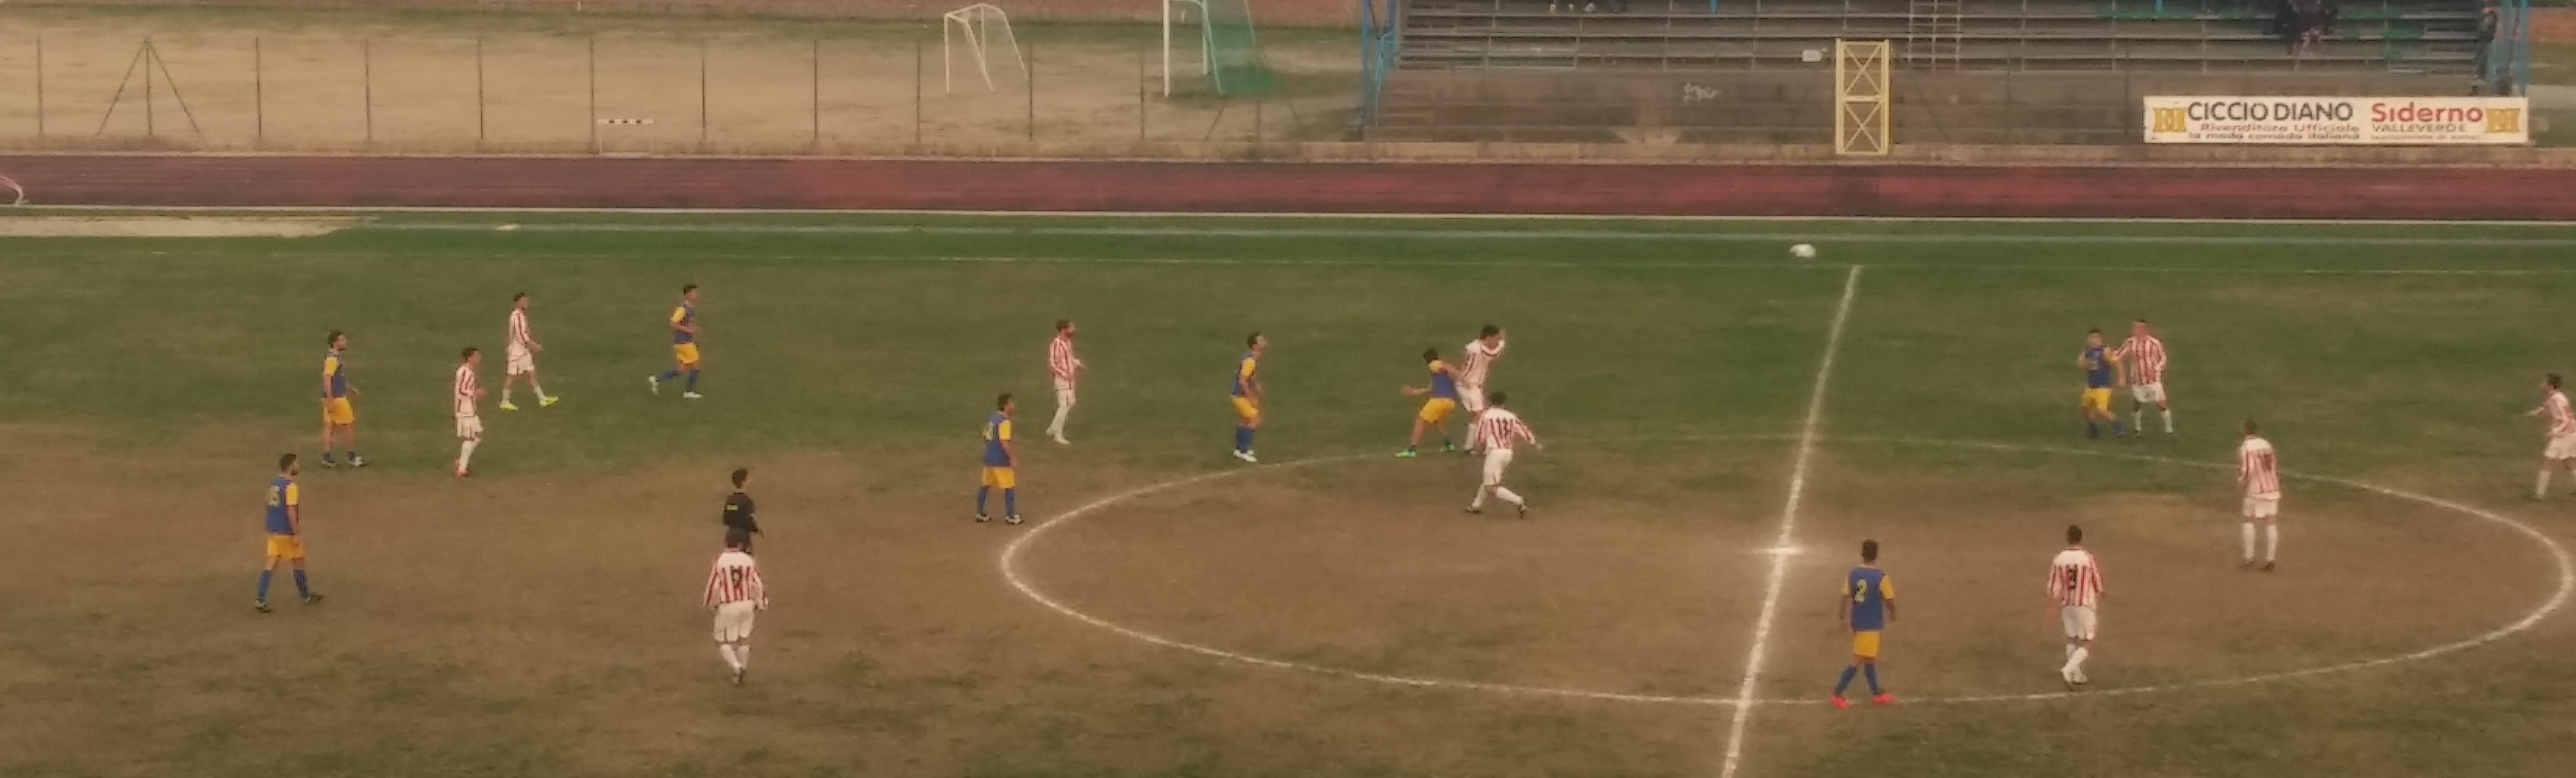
[684,345]
[285,534]
[2101,373]
[2561,451]
[1443,390]
[1868,606]
[521,355]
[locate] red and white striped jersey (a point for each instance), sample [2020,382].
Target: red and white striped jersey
[2561,421]
[1480,357]
[466,388]
[519,337]
[1060,359]
[1496,430]
[2075,579]
[735,579]
[2258,468]
[2144,357]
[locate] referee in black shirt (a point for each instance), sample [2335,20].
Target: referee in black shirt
[738,510]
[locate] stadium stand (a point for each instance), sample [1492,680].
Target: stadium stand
[1968,71]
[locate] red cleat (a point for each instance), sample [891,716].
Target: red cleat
[1883,698]
[1839,702]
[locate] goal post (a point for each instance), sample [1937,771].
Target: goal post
[1229,50]
[975,24]
[1207,39]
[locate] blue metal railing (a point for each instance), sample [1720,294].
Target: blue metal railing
[1381,31]
[2508,56]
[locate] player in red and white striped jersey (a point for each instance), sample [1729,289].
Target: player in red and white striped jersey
[1478,358]
[1066,369]
[735,592]
[2561,450]
[521,356]
[2143,355]
[1495,432]
[2258,469]
[2075,590]
[469,425]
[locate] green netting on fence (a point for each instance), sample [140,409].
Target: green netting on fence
[1236,67]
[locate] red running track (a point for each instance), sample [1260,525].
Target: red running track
[1392,187]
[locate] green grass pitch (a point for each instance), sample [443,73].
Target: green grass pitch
[540,618]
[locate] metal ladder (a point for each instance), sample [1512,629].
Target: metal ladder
[1932,30]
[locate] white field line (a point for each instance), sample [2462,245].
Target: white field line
[1747,691]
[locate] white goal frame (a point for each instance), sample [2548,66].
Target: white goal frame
[1207,41]
[975,24]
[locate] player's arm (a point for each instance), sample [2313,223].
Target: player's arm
[1010,452]
[1532,436]
[714,580]
[759,594]
[1842,608]
[1887,596]
[294,510]
[680,322]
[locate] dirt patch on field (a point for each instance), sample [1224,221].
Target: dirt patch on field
[168,227]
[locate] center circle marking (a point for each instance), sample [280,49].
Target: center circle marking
[1009,562]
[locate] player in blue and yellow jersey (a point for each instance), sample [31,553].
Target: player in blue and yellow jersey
[684,345]
[1435,411]
[2101,373]
[285,533]
[1247,396]
[1868,605]
[337,414]
[1001,464]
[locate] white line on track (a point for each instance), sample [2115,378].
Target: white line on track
[1481,234]
[1747,692]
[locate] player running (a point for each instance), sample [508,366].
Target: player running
[1494,432]
[1443,390]
[2258,469]
[2075,591]
[2143,357]
[684,345]
[1480,355]
[1066,369]
[285,534]
[1868,606]
[521,356]
[469,422]
[2561,450]
[2100,375]
[338,415]
[1247,396]
[1001,464]
[735,592]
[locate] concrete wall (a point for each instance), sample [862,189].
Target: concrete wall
[1340,13]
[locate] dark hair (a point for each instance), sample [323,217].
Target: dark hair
[1063,324]
[2074,534]
[1003,400]
[1248,340]
[517,297]
[687,288]
[334,339]
[2142,320]
[2093,331]
[2249,426]
[468,353]
[1430,354]
[737,537]
[2553,380]
[741,474]
[1489,331]
[1869,551]
[1494,398]
[284,462]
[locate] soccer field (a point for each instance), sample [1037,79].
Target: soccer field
[1724,425]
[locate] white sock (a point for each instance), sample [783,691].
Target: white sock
[465,458]
[1508,496]
[533,387]
[505,393]
[1480,499]
[2168,413]
[2543,489]
[2075,661]
[2271,541]
[2138,419]
[743,651]
[727,650]
[2070,650]
[2246,531]
[1056,429]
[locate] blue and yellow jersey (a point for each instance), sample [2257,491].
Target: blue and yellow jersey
[2097,368]
[1870,591]
[684,313]
[336,374]
[1243,371]
[281,496]
[996,430]
[1444,384]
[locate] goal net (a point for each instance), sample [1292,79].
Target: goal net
[1229,50]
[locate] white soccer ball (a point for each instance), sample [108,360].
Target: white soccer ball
[1803,251]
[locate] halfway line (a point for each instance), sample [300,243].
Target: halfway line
[1746,691]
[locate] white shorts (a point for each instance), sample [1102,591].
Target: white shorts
[733,621]
[2079,621]
[1472,397]
[2260,507]
[2148,393]
[521,361]
[2560,447]
[1063,393]
[469,427]
[1495,461]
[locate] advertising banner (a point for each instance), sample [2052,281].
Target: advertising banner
[2365,121]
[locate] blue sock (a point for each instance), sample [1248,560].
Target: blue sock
[1242,438]
[1247,438]
[263,584]
[2115,428]
[1871,670]
[980,491]
[693,381]
[668,375]
[1011,502]
[326,457]
[2092,430]
[302,589]
[1845,683]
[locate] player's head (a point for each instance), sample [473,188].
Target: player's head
[736,538]
[286,464]
[2093,337]
[1064,326]
[1255,341]
[338,340]
[1002,403]
[2074,534]
[2249,427]
[1869,551]
[1489,333]
[2138,327]
[689,292]
[1495,398]
[471,355]
[2551,380]
[519,301]
[741,475]
[1431,355]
